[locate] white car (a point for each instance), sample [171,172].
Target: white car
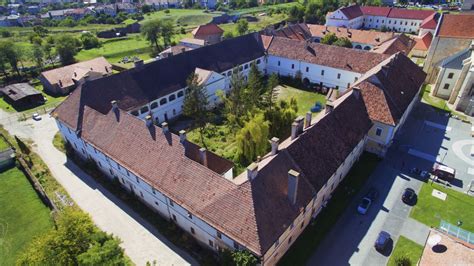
[36,117]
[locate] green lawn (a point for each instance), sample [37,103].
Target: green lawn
[406,248]
[344,194]
[3,144]
[305,99]
[457,206]
[22,215]
[262,23]
[260,9]
[188,18]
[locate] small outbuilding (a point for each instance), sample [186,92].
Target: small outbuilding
[22,95]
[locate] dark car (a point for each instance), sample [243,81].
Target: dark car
[372,194]
[382,241]
[409,196]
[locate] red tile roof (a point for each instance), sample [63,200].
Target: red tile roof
[403,13]
[326,55]
[430,22]
[386,94]
[352,11]
[360,36]
[401,43]
[457,26]
[375,11]
[207,29]
[423,43]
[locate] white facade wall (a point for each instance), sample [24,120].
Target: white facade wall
[338,19]
[444,79]
[171,106]
[403,25]
[156,200]
[275,253]
[330,77]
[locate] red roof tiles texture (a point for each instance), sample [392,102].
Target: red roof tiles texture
[457,26]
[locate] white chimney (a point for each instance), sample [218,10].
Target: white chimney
[300,121]
[274,141]
[252,171]
[294,130]
[148,121]
[293,178]
[307,122]
[182,136]
[203,156]
[329,107]
[164,127]
[114,105]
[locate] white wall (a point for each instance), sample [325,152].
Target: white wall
[313,72]
[444,79]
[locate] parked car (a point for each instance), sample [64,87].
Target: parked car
[444,172]
[409,196]
[36,117]
[382,241]
[373,194]
[364,205]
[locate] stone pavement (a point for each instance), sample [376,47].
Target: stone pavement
[140,240]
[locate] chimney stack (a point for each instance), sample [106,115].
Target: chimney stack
[182,136]
[308,120]
[203,156]
[252,171]
[274,141]
[300,121]
[329,107]
[164,127]
[114,105]
[356,91]
[148,121]
[294,130]
[293,178]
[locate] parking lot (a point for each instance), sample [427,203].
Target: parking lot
[427,137]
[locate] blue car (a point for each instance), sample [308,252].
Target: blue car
[382,241]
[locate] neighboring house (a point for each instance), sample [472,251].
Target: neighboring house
[33,10]
[467,6]
[128,8]
[429,24]
[454,33]
[56,14]
[174,50]
[79,13]
[162,3]
[22,95]
[263,210]
[422,45]
[400,43]
[211,33]
[106,9]
[372,17]
[63,80]
[455,81]
[120,32]
[211,4]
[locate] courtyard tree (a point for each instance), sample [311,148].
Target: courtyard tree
[242,26]
[329,38]
[343,42]
[48,49]
[89,41]
[270,94]
[244,258]
[252,139]
[67,47]
[235,107]
[280,118]
[38,55]
[152,31]
[254,88]
[196,105]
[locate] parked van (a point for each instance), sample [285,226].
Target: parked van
[444,172]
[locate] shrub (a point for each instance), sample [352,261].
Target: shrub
[402,261]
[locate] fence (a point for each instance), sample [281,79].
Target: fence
[457,232]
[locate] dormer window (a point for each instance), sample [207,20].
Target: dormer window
[154,105]
[180,94]
[163,101]
[172,98]
[144,109]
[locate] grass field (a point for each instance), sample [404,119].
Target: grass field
[3,144]
[344,194]
[405,248]
[262,23]
[305,99]
[22,215]
[430,210]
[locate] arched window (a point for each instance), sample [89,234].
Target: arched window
[172,98]
[180,94]
[367,48]
[135,113]
[358,46]
[163,101]
[144,109]
[154,105]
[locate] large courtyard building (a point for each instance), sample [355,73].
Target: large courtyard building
[390,18]
[113,122]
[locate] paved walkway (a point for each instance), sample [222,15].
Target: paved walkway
[140,240]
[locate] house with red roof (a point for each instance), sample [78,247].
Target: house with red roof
[211,33]
[374,17]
